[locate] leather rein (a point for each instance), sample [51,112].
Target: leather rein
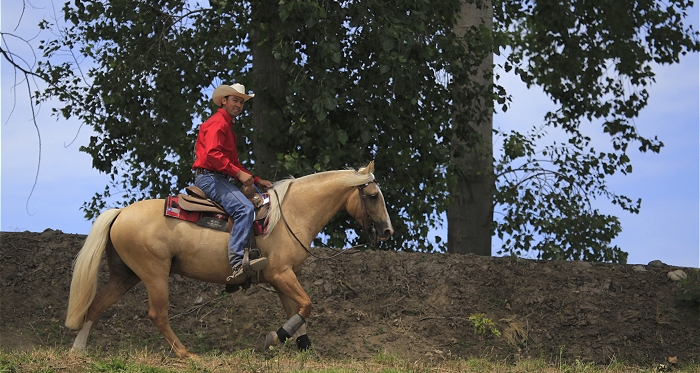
[369,228]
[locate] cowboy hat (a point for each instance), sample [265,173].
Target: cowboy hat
[229,90]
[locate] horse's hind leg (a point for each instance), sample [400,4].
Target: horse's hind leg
[156,282]
[121,279]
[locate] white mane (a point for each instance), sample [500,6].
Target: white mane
[347,177]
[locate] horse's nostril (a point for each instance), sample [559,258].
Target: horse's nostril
[388,232]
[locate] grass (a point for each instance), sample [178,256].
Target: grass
[285,360]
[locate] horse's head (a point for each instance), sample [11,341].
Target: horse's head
[369,208]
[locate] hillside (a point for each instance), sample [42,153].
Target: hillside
[416,306]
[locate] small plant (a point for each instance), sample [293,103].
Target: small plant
[690,289]
[380,330]
[482,324]
[385,358]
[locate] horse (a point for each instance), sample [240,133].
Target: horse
[141,244]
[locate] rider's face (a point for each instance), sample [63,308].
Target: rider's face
[233,105]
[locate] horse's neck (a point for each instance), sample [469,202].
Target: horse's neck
[318,202]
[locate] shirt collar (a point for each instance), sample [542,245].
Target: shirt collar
[227,117]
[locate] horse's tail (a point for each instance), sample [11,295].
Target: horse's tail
[83,287]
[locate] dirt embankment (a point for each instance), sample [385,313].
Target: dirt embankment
[416,306]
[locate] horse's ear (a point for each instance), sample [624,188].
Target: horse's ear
[369,169]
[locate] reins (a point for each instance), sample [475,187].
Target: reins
[339,251]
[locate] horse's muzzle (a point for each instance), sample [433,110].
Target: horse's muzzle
[385,234]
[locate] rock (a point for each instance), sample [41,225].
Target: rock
[48,232]
[639,268]
[657,264]
[677,275]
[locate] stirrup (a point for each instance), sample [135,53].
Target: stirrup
[249,268]
[236,272]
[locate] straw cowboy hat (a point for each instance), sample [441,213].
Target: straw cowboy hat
[229,90]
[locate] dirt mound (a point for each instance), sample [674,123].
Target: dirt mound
[412,305]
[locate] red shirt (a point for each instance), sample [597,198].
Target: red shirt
[215,148]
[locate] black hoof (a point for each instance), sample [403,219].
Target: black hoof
[303,342]
[232,288]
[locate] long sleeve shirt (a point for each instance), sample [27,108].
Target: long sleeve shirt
[215,148]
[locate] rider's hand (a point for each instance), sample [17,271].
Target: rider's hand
[264,183]
[245,178]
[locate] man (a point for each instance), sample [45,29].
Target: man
[217,161]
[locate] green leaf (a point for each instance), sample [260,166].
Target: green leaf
[342,137]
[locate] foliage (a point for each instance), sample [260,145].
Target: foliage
[147,70]
[373,80]
[482,324]
[360,86]
[593,59]
[690,289]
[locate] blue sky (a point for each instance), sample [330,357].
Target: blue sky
[667,228]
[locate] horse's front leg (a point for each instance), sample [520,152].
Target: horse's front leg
[297,305]
[292,308]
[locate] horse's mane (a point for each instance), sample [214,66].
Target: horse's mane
[349,177]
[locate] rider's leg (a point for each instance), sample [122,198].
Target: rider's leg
[220,190]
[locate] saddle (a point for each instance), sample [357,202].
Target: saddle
[196,207]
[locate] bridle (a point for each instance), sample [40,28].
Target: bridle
[369,228]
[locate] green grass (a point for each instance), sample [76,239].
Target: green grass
[287,360]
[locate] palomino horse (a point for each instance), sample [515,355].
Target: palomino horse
[143,245]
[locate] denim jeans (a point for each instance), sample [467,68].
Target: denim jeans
[220,190]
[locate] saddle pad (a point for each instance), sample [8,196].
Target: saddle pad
[212,220]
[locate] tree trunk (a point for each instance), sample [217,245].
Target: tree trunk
[470,213]
[269,88]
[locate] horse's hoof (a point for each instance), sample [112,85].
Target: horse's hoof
[79,351]
[187,355]
[271,339]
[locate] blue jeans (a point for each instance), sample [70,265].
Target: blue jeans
[220,190]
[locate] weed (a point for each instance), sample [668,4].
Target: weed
[8,365]
[482,324]
[380,330]
[578,367]
[385,359]
[690,289]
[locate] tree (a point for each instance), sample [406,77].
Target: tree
[338,83]
[337,111]
[269,81]
[470,213]
[593,59]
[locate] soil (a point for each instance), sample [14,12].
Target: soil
[416,306]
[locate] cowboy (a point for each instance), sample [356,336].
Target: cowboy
[216,162]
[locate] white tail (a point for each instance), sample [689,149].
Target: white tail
[83,287]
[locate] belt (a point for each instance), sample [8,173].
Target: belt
[204,171]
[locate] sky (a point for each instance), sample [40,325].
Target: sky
[45,189]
